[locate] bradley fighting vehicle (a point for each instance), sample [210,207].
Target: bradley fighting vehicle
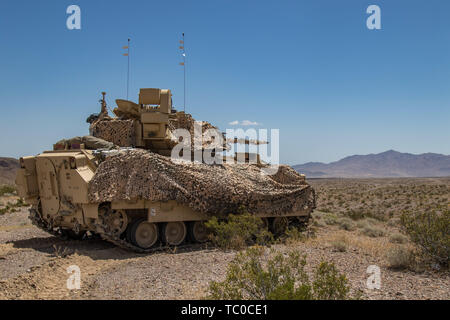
[57,184]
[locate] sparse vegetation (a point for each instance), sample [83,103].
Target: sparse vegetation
[61,251]
[7,189]
[260,275]
[383,199]
[398,238]
[430,232]
[347,224]
[373,231]
[400,257]
[293,235]
[339,245]
[384,207]
[238,231]
[12,207]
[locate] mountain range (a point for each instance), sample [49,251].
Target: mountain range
[386,164]
[8,168]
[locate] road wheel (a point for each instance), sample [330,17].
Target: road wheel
[198,232]
[279,225]
[144,234]
[174,233]
[114,221]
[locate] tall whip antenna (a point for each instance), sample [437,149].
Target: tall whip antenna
[128,70]
[183,53]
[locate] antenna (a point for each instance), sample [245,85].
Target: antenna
[183,53]
[128,69]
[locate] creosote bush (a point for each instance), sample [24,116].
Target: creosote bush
[238,231]
[430,231]
[258,274]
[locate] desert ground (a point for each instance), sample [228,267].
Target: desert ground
[356,224]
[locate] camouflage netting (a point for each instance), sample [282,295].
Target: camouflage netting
[90,142]
[211,189]
[120,132]
[186,121]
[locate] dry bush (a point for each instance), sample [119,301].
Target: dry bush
[400,257]
[339,245]
[398,238]
[373,231]
[393,222]
[318,223]
[330,219]
[347,224]
[61,251]
[253,275]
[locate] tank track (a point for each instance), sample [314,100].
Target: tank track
[37,221]
[40,223]
[124,244]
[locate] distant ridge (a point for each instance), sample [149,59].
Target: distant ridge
[8,168]
[386,164]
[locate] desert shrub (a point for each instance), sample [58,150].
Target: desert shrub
[339,245]
[61,251]
[362,224]
[330,219]
[398,238]
[347,224]
[393,222]
[255,276]
[20,203]
[12,207]
[400,257]
[367,223]
[430,232]
[318,223]
[356,214]
[372,221]
[238,231]
[294,234]
[7,189]
[372,231]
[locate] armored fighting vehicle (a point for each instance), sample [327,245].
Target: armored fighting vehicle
[121,183]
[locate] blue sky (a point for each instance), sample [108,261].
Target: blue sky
[310,68]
